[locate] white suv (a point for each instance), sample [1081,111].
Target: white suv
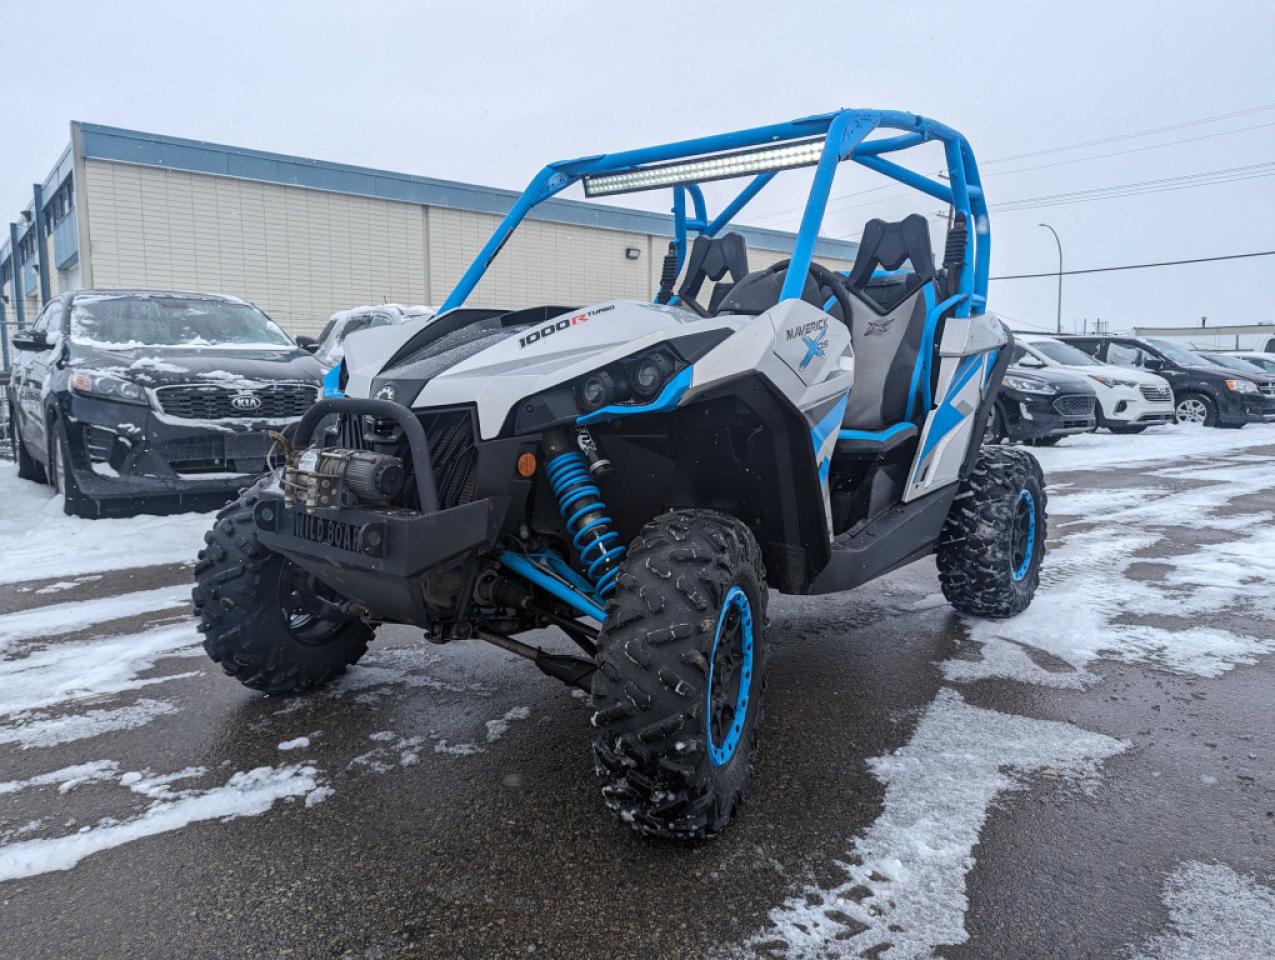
[1129,400]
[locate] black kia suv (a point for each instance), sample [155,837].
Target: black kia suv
[132,401]
[1040,406]
[1203,392]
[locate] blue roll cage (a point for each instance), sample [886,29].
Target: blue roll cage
[844,133]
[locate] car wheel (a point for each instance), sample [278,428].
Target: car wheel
[1196,408]
[1046,441]
[62,479]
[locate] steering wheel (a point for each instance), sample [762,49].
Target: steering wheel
[827,284]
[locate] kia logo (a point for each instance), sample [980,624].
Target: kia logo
[245,401]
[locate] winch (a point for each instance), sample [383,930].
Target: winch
[337,477]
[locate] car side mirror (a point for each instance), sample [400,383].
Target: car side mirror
[1153,363]
[30,340]
[308,344]
[1032,362]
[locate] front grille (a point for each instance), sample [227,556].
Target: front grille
[1154,392]
[1268,389]
[207,401]
[1074,406]
[453,455]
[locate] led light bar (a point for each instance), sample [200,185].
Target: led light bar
[722,166]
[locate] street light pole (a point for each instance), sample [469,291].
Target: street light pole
[1060,271]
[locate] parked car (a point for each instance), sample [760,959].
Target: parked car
[1041,405]
[1203,392]
[329,347]
[132,401]
[1129,400]
[1264,361]
[1265,381]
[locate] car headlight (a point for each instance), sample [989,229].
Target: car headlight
[1109,381]
[89,383]
[1241,386]
[1029,385]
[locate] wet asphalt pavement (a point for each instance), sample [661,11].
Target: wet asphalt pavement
[456,812]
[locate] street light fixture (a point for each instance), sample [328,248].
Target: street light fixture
[1060,273]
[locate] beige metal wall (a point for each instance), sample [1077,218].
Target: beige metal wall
[301,254]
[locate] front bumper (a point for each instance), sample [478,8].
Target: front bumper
[120,451]
[1030,416]
[1127,406]
[1235,409]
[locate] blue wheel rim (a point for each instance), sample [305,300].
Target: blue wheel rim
[1024,534]
[736,603]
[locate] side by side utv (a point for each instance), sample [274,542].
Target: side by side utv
[640,475]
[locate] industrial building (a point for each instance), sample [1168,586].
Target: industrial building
[302,238]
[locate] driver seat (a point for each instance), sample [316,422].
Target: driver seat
[892,338]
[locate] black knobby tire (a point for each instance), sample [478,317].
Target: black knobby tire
[29,468]
[993,542]
[671,764]
[1127,428]
[241,598]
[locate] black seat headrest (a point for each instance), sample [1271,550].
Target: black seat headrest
[890,245]
[711,259]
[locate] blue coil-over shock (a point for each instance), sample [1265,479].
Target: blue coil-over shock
[582,508]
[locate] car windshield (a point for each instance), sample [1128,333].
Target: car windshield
[1178,355]
[122,323]
[1266,363]
[1232,363]
[1063,353]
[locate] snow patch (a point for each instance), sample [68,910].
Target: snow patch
[1172,444]
[300,743]
[906,873]
[246,794]
[39,542]
[59,618]
[68,778]
[1215,914]
[498,728]
[43,730]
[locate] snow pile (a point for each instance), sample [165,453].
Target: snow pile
[906,884]
[1216,914]
[245,794]
[38,541]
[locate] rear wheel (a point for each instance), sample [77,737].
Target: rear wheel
[1196,408]
[266,621]
[681,670]
[29,468]
[992,544]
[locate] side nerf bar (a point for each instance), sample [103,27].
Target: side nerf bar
[417,442]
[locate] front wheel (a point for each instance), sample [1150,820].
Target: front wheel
[267,622]
[681,670]
[1196,408]
[993,542]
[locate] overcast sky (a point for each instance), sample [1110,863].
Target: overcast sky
[488,92]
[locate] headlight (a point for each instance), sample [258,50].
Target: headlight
[1241,386]
[101,385]
[1029,385]
[1109,381]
